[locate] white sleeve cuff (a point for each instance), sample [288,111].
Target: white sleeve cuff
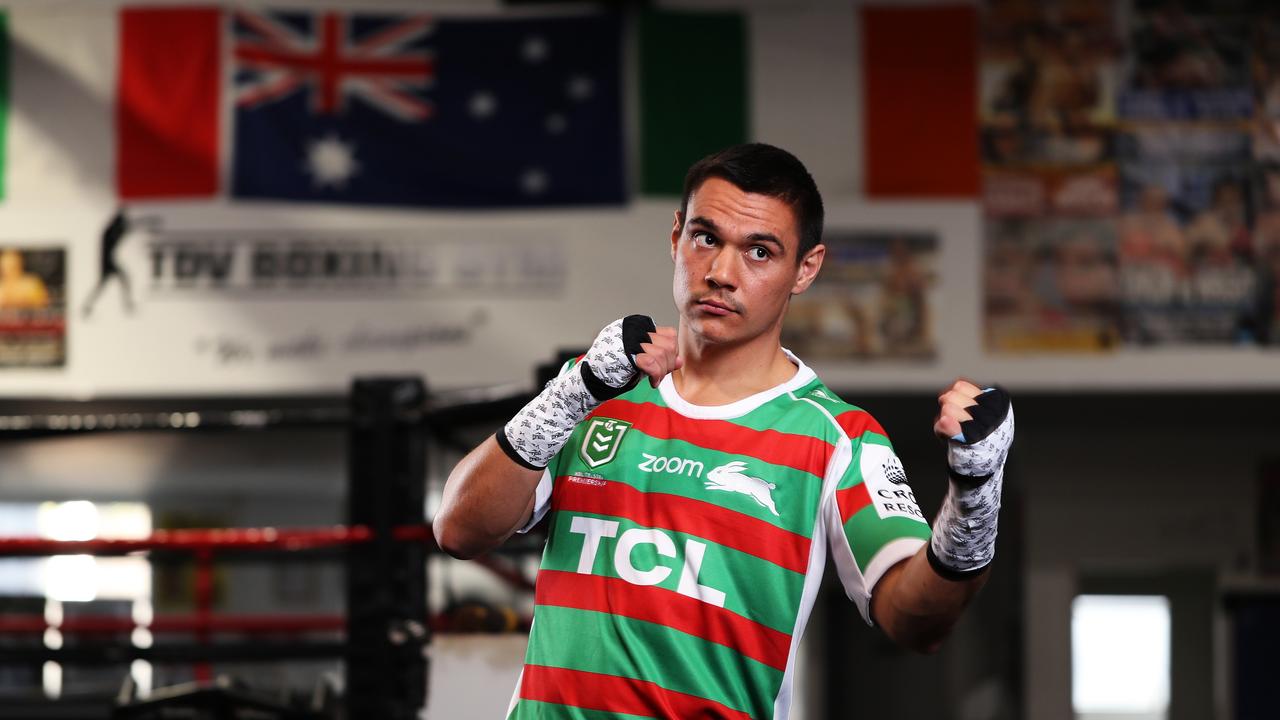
[891,554]
[541,502]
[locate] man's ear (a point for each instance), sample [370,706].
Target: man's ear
[810,264]
[676,228]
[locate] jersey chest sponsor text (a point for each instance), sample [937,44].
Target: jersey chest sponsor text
[672,465]
[730,477]
[602,536]
[604,437]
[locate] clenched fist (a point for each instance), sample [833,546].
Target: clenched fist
[954,404]
[978,424]
[660,356]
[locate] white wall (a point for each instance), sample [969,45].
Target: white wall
[805,96]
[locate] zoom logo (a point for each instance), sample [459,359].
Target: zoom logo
[671,465]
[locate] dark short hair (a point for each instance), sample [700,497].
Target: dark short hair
[764,170]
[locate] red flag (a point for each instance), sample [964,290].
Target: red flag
[167,102]
[920,101]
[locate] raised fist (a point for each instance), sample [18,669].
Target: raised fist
[978,427]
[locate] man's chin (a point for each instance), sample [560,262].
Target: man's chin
[712,330]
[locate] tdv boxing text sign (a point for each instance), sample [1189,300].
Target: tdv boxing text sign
[249,264]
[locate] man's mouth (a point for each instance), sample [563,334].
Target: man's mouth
[715,307]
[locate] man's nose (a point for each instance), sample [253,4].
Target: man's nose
[723,270]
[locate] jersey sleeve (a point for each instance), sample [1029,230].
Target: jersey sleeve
[873,519]
[541,501]
[542,496]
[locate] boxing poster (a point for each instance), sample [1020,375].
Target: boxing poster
[1131,175]
[32,307]
[1051,284]
[1050,186]
[1188,262]
[873,299]
[1264,197]
[1186,242]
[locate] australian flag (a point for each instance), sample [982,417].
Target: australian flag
[414,110]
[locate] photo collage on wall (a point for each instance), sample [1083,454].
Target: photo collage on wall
[872,300]
[1131,174]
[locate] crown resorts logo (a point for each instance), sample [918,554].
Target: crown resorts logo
[894,471]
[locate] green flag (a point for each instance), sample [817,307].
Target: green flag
[4,95]
[693,92]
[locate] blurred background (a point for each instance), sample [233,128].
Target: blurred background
[219,221]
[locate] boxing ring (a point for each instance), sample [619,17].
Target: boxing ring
[383,635]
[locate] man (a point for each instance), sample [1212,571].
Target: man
[108,268]
[691,514]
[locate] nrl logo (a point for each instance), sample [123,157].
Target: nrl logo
[601,442]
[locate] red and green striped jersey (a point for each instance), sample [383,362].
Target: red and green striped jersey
[687,543]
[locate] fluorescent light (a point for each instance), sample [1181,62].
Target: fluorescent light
[1120,655]
[73,520]
[71,578]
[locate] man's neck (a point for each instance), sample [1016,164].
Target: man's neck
[716,374]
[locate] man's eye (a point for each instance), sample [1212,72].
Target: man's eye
[703,238]
[759,253]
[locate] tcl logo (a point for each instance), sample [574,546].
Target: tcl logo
[594,529]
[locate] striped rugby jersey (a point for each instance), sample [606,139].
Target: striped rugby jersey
[687,543]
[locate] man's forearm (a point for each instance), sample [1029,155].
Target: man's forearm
[916,607]
[491,493]
[919,600]
[486,499]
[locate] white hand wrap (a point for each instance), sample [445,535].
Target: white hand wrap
[542,427]
[964,533]
[608,356]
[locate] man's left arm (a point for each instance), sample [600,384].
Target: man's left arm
[919,600]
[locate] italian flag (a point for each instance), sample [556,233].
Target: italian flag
[168,102]
[109,103]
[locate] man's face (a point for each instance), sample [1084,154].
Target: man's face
[735,256]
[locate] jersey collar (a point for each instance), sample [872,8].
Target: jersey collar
[741,407]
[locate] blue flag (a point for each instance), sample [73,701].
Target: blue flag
[412,110]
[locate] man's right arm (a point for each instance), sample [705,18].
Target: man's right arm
[487,498]
[491,493]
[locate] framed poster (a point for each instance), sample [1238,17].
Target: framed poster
[32,307]
[872,299]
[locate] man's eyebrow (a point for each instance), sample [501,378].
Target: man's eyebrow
[710,224]
[767,238]
[704,222]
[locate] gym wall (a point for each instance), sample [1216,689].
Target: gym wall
[493,272]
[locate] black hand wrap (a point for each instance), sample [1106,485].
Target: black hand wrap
[635,330]
[992,407]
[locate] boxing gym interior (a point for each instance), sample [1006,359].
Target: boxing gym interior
[269,270]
